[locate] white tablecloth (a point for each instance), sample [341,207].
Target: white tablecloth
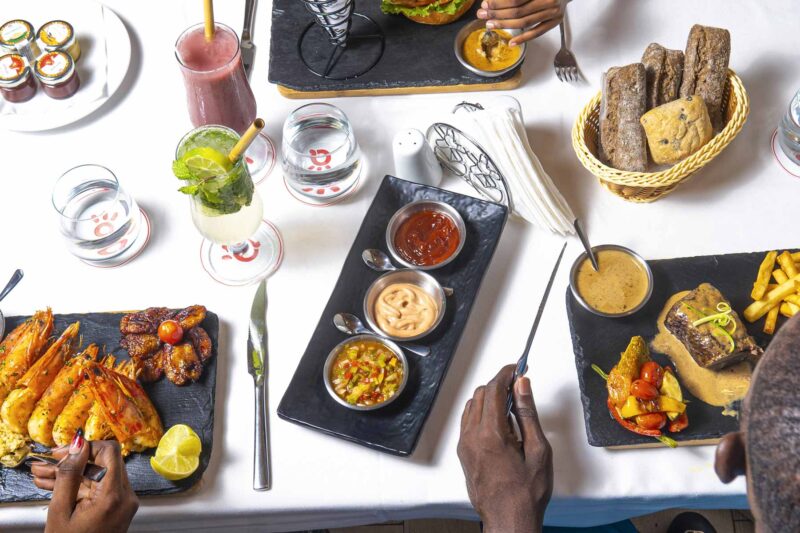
[741,202]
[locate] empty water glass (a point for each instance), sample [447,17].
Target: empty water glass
[99,220]
[321,158]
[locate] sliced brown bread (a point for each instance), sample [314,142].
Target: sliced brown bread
[705,69]
[664,69]
[622,139]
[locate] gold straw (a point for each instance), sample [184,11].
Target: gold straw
[246,139]
[208,12]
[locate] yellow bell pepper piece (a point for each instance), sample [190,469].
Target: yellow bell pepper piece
[664,404]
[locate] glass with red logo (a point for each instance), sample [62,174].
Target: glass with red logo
[218,92]
[101,222]
[320,156]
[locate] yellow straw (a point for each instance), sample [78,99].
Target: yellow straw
[246,139]
[208,12]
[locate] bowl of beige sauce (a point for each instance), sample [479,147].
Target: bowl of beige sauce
[621,286]
[404,305]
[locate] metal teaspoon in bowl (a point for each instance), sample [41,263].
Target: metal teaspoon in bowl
[15,278]
[380,262]
[352,325]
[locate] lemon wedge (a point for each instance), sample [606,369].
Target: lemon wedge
[178,453]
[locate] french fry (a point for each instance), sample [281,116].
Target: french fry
[772,285]
[793,299]
[787,264]
[794,309]
[772,320]
[780,276]
[764,272]
[772,299]
[796,257]
[786,310]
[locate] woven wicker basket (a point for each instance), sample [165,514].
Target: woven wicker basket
[650,186]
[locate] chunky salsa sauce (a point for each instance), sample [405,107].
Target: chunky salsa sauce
[427,238]
[366,373]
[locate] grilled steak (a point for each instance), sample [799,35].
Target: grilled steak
[710,344]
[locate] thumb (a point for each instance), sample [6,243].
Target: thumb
[527,418]
[69,477]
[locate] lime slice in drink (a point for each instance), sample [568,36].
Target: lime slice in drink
[206,162]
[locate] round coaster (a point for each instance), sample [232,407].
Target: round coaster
[132,252]
[791,167]
[260,158]
[324,199]
[263,256]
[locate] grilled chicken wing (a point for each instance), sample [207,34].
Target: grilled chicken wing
[146,321]
[151,367]
[181,363]
[140,344]
[190,317]
[201,342]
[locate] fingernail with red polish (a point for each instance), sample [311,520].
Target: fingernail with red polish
[77,442]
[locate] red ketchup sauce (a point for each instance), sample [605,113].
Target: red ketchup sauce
[427,238]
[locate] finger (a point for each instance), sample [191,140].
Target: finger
[465,416]
[44,483]
[60,452]
[527,417]
[476,406]
[535,32]
[519,18]
[496,399]
[44,470]
[69,477]
[534,5]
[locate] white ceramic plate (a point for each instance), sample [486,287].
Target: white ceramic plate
[118,58]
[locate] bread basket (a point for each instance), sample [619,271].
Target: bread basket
[650,186]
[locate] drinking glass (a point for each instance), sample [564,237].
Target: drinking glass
[320,156]
[99,220]
[217,90]
[239,247]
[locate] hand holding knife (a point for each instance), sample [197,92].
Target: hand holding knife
[257,367]
[522,363]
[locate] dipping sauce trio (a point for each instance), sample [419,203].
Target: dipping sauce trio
[48,56]
[404,304]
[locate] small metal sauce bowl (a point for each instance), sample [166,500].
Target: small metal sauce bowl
[461,36]
[424,281]
[332,357]
[573,280]
[406,211]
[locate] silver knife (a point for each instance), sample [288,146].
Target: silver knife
[522,364]
[246,45]
[257,367]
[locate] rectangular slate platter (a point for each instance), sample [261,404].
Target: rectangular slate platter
[415,55]
[600,340]
[192,404]
[396,428]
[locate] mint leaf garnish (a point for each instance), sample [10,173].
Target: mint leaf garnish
[181,171]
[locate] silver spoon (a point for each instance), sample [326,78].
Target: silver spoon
[380,262]
[15,278]
[352,325]
[585,243]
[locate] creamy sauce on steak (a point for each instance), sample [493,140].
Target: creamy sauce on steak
[718,388]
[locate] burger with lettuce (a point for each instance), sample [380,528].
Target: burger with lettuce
[434,12]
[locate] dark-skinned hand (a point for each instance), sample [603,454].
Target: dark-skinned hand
[509,482]
[536,17]
[82,506]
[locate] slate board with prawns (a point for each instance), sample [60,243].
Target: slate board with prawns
[61,372]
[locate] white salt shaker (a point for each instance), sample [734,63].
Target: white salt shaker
[414,159]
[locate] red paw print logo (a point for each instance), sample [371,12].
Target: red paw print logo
[320,160]
[247,255]
[322,191]
[104,224]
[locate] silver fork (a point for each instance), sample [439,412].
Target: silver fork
[565,64]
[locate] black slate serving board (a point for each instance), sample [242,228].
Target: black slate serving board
[600,340]
[395,428]
[192,404]
[416,55]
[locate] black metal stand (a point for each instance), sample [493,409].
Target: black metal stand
[340,44]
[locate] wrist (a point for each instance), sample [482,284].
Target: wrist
[519,520]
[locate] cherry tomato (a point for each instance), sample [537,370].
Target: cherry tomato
[652,373]
[644,390]
[651,420]
[679,424]
[170,332]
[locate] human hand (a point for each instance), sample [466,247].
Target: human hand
[509,483]
[80,505]
[538,16]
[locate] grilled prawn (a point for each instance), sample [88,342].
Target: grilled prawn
[22,348]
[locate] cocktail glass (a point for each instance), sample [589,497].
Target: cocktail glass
[239,247]
[217,90]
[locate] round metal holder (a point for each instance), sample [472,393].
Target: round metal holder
[341,55]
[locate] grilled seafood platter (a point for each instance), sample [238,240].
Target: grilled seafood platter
[167,342]
[50,387]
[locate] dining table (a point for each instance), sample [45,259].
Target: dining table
[742,201]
